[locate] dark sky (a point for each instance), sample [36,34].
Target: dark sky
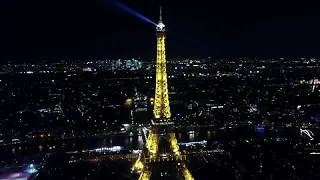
[93,29]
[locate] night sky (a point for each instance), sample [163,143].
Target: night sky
[94,29]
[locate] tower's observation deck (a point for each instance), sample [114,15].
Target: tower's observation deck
[154,151]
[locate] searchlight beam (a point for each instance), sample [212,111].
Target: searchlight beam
[130,11]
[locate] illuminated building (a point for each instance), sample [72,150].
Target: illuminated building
[132,64]
[138,106]
[128,102]
[140,101]
[153,153]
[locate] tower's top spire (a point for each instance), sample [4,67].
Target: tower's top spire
[160,20]
[161,26]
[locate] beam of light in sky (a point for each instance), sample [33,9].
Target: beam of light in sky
[131,11]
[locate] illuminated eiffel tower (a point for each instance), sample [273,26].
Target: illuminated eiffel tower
[161,145]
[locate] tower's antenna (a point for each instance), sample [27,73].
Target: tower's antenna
[160,15]
[160,26]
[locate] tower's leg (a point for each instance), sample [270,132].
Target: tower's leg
[185,172]
[145,175]
[138,165]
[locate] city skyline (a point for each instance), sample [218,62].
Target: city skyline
[93,30]
[80,113]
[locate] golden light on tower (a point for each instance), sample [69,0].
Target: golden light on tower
[161,104]
[162,116]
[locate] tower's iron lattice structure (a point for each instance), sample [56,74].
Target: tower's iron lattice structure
[152,153]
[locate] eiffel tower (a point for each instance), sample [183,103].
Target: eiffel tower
[161,147]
